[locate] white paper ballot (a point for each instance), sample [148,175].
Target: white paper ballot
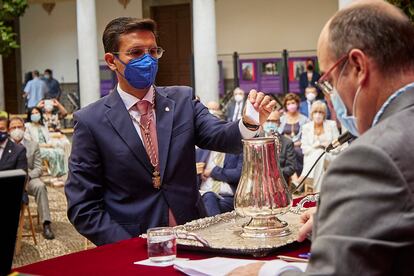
[212,266]
[252,113]
[148,262]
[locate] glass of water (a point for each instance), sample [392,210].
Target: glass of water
[162,246]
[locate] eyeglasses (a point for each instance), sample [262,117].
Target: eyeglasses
[323,83]
[156,52]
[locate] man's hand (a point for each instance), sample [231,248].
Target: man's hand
[41,104]
[247,270]
[307,220]
[262,103]
[207,173]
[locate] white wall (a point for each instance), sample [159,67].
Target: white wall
[50,41]
[269,25]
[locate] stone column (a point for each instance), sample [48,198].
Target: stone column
[205,50]
[89,82]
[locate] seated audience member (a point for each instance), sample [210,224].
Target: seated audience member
[235,107]
[53,112]
[291,124]
[220,176]
[12,156]
[316,136]
[219,180]
[37,132]
[305,106]
[287,155]
[35,185]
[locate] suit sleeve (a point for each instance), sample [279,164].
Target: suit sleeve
[290,162]
[85,191]
[36,172]
[364,200]
[228,175]
[215,134]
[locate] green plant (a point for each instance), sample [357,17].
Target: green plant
[9,10]
[406,5]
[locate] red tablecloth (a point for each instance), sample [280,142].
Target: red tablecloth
[118,259]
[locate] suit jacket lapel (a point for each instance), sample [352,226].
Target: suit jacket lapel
[122,123]
[165,114]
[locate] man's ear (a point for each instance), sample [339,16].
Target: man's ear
[360,62]
[110,61]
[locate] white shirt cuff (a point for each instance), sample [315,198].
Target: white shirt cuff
[245,132]
[277,267]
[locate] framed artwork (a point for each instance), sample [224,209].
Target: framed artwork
[248,72]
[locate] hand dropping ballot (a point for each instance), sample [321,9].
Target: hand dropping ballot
[251,113]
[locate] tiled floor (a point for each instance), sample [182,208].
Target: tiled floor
[67,239]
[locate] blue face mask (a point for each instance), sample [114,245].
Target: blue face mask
[141,72]
[270,128]
[3,136]
[35,117]
[349,122]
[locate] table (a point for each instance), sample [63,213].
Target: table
[118,259]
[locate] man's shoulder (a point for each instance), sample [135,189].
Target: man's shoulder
[175,92]
[16,147]
[93,110]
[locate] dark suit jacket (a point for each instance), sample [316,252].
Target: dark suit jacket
[287,158]
[109,190]
[303,83]
[230,109]
[365,220]
[231,170]
[14,157]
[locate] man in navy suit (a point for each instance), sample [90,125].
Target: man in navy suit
[132,165]
[12,156]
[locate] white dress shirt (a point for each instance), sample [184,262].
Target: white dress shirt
[2,146]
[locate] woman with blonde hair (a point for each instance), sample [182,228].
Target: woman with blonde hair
[316,136]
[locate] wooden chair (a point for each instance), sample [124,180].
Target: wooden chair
[25,209]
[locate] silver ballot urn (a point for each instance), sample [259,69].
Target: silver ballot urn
[262,193]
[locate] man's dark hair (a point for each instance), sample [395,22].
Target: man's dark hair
[36,73]
[387,37]
[124,25]
[49,71]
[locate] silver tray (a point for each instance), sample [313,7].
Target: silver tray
[221,234]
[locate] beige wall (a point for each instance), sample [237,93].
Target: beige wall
[50,41]
[269,25]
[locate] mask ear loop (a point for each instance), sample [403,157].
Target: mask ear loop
[116,56]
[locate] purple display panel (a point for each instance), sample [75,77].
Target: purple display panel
[221,79]
[107,78]
[248,74]
[297,65]
[270,77]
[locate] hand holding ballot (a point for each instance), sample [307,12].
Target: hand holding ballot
[258,108]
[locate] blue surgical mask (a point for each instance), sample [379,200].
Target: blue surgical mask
[141,72]
[270,128]
[347,121]
[3,136]
[35,117]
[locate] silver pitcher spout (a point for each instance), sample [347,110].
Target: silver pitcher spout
[262,193]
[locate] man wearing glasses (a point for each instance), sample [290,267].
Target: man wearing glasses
[132,165]
[364,224]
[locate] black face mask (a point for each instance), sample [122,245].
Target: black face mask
[3,136]
[310,67]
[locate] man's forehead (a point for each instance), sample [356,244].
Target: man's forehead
[137,39]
